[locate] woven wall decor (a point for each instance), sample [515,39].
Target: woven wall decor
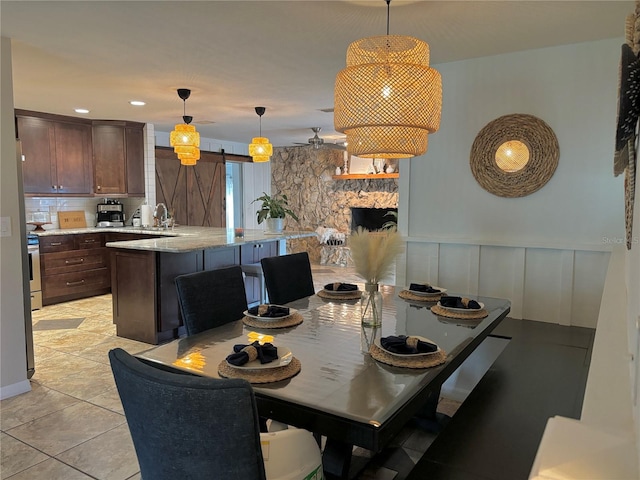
[538,138]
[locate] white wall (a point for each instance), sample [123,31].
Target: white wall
[13,360]
[633,315]
[548,251]
[256,179]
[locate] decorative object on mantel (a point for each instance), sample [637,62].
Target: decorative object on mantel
[373,255]
[273,210]
[184,139]
[514,155]
[260,148]
[387,78]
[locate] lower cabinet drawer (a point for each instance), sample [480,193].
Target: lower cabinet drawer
[75,283]
[73,261]
[56,243]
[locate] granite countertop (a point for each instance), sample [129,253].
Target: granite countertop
[183,238]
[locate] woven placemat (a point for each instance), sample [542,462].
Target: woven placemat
[424,361]
[290,321]
[471,314]
[266,375]
[343,296]
[407,295]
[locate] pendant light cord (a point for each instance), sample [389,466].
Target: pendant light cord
[388,2]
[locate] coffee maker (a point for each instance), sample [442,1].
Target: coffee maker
[110,214]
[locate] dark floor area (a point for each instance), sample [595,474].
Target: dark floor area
[495,433]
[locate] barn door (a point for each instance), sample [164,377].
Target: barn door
[196,193]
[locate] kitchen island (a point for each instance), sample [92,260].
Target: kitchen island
[143,272]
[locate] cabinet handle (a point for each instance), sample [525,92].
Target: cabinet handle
[91,240]
[73,284]
[74,262]
[60,187]
[55,244]
[98,187]
[54,187]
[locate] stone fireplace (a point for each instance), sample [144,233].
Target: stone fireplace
[306,177]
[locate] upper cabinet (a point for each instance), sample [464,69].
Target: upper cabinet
[74,156]
[134,150]
[56,156]
[118,158]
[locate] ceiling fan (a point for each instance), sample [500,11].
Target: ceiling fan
[318,142]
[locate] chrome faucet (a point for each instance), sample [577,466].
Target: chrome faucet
[161,215]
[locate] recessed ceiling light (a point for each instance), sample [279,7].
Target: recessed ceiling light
[137,103]
[81,110]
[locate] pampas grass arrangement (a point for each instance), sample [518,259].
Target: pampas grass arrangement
[373,253]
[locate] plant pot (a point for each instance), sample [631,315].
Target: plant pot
[274,225]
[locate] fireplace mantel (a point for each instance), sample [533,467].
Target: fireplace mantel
[366,176]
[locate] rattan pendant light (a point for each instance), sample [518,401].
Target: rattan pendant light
[260,149]
[387,100]
[184,139]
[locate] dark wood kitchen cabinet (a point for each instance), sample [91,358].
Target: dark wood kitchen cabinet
[118,158]
[56,154]
[73,266]
[144,296]
[134,150]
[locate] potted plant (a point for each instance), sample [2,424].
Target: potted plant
[274,209]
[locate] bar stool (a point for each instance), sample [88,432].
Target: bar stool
[255,270]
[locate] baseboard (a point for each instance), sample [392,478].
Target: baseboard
[15,389]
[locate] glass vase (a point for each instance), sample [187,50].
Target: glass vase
[371,306]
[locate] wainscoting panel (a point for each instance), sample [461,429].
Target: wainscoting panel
[553,285]
[590,271]
[499,269]
[543,285]
[422,264]
[455,268]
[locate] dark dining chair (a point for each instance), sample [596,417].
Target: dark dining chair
[211,298]
[188,427]
[288,277]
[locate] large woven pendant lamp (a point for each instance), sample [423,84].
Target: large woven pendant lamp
[387,100]
[260,148]
[184,139]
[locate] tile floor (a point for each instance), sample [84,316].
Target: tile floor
[71,425]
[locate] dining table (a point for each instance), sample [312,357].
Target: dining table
[341,392]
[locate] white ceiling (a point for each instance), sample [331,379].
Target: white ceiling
[236,55]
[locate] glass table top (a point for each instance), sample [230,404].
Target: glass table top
[338,376]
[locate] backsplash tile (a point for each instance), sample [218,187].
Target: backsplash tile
[53,205]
